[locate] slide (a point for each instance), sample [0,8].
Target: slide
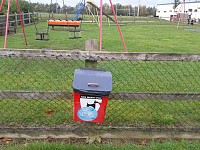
[95,6]
[79,10]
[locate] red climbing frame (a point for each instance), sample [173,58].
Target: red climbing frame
[7,19]
[117,23]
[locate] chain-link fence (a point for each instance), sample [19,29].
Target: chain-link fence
[150,90]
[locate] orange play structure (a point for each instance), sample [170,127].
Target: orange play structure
[63,23]
[69,23]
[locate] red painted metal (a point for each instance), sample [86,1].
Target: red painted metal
[101,26]
[117,23]
[21,20]
[1,6]
[119,29]
[7,21]
[183,23]
[6,35]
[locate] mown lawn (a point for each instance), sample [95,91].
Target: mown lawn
[46,75]
[142,145]
[139,38]
[128,76]
[143,113]
[57,75]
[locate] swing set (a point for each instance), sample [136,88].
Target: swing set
[7,21]
[116,21]
[73,24]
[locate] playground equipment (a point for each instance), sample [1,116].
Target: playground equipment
[116,21]
[182,16]
[79,10]
[63,23]
[69,23]
[44,35]
[7,21]
[184,13]
[109,17]
[96,7]
[41,34]
[72,24]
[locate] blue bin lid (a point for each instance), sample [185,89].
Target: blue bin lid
[92,80]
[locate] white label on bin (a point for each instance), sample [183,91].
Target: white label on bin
[89,101]
[87,113]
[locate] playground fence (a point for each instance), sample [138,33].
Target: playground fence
[15,18]
[31,17]
[151,91]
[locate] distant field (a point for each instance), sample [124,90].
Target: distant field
[139,36]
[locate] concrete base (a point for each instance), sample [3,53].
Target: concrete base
[95,135]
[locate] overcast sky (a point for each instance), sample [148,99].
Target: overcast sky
[123,2]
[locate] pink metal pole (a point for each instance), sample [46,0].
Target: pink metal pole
[183,23]
[21,20]
[1,6]
[119,29]
[101,26]
[7,19]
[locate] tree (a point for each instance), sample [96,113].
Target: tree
[24,6]
[176,3]
[106,8]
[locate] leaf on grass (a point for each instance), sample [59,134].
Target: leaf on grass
[49,112]
[7,139]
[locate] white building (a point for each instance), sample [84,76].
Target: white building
[164,11]
[167,11]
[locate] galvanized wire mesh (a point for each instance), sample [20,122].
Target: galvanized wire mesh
[37,92]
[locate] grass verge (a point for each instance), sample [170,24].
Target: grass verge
[142,145]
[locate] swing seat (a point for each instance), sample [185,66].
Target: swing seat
[42,35]
[76,33]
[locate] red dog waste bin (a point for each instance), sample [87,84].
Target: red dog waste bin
[91,90]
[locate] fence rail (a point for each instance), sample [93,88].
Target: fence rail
[28,18]
[104,56]
[150,90]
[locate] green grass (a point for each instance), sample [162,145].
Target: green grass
[156,113]
[35,112]
[166,145]
[138,37]
[57,75]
